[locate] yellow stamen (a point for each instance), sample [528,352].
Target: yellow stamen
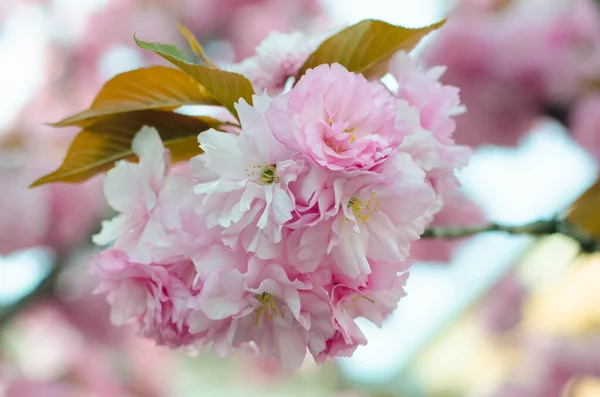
[262,175]
[268,175]
[268,307]
[364,297]
[349,131]
[361,209]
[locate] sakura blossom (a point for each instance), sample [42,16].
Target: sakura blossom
[273,197]
[559,359]
[433,125]
[156,220]
[376,301]
[244,182]
[279,57]
[336,118]
[515,66]
[296,219]
[378,215]
[155,296]
[282,316]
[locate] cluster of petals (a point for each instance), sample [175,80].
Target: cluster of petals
[278,58]
[288,227]
[516,65]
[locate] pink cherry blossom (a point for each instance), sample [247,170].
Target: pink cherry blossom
[374,217]
[499,112]
[155,297]
[437,103]
[501,310]
[337,119]
[156,220]
[79,367]
[513,65]
[29,388]
[375,301]
[133,190]
[548,364]
[290,225]
[251,25]
[279,57]
[243,182]
[262,305]
[431,129]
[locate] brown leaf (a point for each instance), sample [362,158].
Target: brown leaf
[98,146]
[196,46]
[585,212]
[226,87]
[156,87]
[363,47]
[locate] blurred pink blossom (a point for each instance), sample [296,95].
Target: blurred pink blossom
[58,215]
[585,125]
[68,362]
[548,364]
[512,65]
[501,308]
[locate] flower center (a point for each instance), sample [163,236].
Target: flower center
[268,175]
[262,175]
[268,307]
[334,140]
[349,131]
[362,210]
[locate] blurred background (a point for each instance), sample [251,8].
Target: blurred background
[493,315]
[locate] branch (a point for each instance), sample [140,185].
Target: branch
[540,228]
[44,288]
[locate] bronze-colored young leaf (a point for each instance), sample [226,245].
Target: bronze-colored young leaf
[585,212]
[196,46]
[226,87]
[98,146]
[156,87]
[363,47]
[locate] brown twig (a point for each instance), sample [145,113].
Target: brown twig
[538,228]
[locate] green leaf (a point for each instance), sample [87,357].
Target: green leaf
[156,87]
[366,47]
[226,87]
[100,144]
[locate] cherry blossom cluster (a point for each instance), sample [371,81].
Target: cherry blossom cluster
[290,226]
[532,59]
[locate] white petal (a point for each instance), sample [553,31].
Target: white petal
[350,256]
[111,229]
